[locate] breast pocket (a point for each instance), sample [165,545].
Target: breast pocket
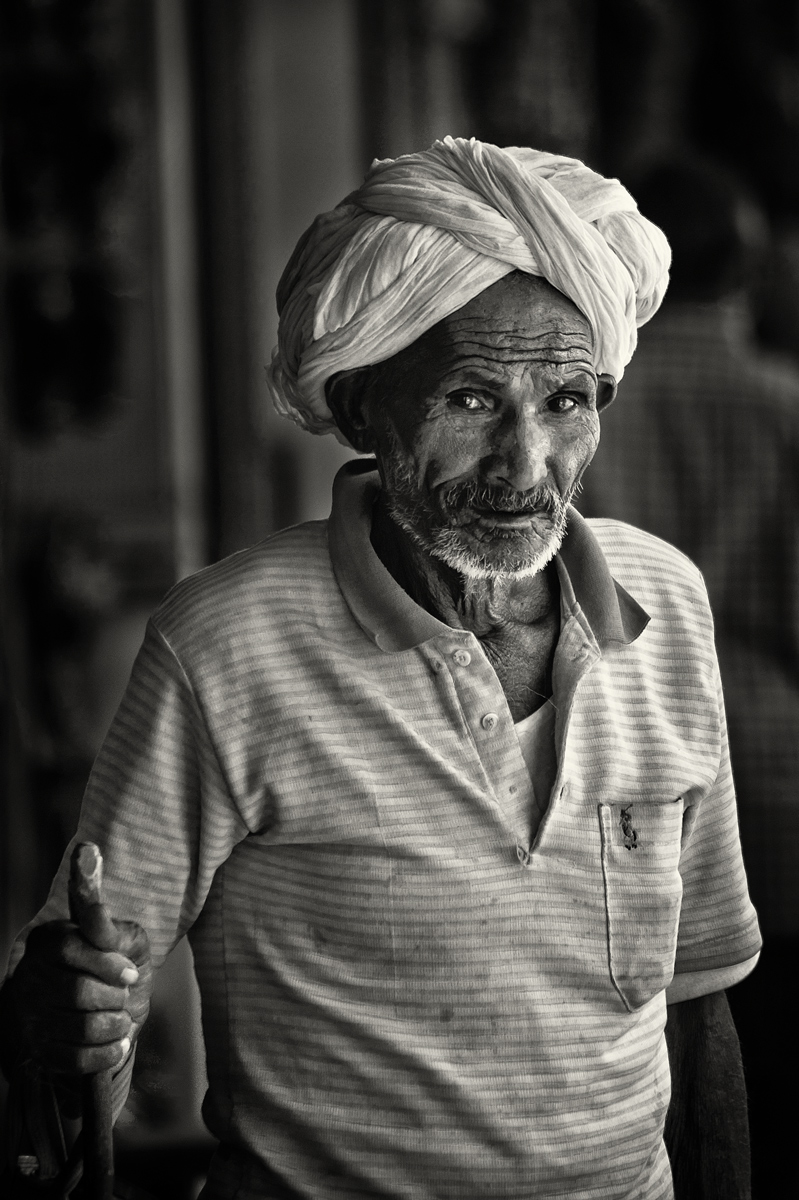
[643,893]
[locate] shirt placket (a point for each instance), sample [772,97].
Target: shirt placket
[575,655]
[485,711]
[488,717]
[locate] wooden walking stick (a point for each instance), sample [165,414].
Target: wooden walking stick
[85,880]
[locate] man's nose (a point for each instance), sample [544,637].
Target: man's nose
[521,452]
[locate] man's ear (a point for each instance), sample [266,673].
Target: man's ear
[346,395]
[606,388]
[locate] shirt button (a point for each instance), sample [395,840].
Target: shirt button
[524,856]
[462,658]
[489,721]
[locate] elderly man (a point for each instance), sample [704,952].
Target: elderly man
[439,789]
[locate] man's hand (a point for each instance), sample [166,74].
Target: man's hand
[80,994]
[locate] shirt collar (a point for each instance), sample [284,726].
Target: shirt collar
[394,621]
[613,615]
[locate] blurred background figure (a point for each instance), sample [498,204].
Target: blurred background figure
[159,160]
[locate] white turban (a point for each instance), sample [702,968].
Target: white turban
[427,232]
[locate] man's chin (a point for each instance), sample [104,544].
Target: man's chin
[497,558]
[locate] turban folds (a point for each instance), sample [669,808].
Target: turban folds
[427,232]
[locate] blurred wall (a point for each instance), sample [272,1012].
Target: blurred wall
[88,534]
[278,141]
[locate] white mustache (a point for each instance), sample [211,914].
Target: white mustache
[485,496]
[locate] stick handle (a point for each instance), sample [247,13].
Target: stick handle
[85,883]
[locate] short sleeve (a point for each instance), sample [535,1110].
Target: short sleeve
[719,938]
[157,805]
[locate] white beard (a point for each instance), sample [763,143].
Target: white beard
[447,546]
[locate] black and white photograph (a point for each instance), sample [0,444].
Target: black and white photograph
[399,599]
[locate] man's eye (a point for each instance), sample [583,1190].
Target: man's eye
[561,404]
[469,401]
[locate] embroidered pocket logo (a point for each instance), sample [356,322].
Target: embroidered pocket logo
[630,835]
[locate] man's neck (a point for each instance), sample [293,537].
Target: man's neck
[516,620]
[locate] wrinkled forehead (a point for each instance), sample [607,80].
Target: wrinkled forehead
[521,319]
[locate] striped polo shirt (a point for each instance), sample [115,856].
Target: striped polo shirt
[412,986]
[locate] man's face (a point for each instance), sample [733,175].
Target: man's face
[483,427]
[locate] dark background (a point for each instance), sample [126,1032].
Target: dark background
[159,160]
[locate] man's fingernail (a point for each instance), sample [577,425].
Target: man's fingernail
[129,975]
[125,1047]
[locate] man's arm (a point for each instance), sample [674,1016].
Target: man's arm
[707,1128]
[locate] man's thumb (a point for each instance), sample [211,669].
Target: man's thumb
[85,907]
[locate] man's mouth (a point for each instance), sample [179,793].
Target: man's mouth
[494,511]
[497,517]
